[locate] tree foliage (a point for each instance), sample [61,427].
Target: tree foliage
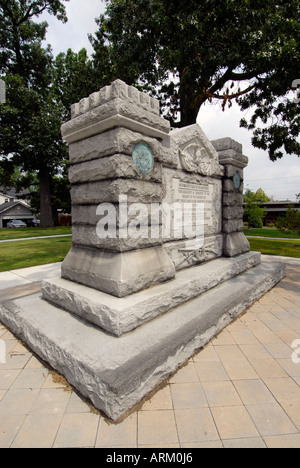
[40,91]
[74,77]
[30,118]
[253,210]
[188,53]
[184,53]
[290,221]
[20,37]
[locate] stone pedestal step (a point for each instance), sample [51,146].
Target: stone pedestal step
[121,315]
[116,373]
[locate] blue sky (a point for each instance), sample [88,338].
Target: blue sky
[280,179]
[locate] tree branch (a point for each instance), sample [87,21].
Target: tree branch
[244,76]
[31,11]
[235,95]
[221,82]
[208,93]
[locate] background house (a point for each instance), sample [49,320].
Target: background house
[11,207]
[278,208]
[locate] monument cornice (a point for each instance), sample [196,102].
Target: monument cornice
[77,131]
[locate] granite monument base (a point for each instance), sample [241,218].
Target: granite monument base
[115,373]
[120,315]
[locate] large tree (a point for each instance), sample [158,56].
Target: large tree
[40,91]
[30,118]
[188,53]
[253,209]
[74,77]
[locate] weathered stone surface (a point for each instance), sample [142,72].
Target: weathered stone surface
[119,316]
[230,170]
[168,157]
[125,213]
[118,109]
[228,186]
[194,152]
[118,274]
[232,199]
[233,225]
[224,144]
[182,187]
[235,243]
[233,212]
[230,152]
[118,89]
[116,373]
[126,239]
[186,253]
[232,158]
[117,140]
[115,166]
[93,193]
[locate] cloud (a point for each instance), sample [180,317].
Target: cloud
[74,33]
[279,179]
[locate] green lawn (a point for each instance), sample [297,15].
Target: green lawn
[276,247]
[22,254]
[270,232]
[6,234]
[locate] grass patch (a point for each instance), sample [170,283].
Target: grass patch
[7,234]
[23,254]
[271,232]
[276,247]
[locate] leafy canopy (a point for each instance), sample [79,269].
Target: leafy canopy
[40,91]
[253,209]
[290,221]
[30,119]
[188,53]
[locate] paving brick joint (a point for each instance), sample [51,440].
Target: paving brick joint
[241,391]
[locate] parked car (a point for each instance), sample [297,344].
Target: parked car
[33,223]
[16,223]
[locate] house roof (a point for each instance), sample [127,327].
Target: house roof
[6,206]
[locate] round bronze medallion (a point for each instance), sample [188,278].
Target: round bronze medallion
[143,158]
[237,180]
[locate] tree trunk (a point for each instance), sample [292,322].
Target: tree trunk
[188,115]
[46,216]
[189,108]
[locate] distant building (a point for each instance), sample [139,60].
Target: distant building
[13,208]
[276,209]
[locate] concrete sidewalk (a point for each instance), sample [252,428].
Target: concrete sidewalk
[241,390]
[34,238]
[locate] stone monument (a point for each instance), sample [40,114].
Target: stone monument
[159,263]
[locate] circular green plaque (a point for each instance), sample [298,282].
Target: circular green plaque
[143,158]
[237,180]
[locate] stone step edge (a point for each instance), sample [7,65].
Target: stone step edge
[115,374]
[122,315]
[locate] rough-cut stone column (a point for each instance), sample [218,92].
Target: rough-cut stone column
[232,158]
[103,133]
